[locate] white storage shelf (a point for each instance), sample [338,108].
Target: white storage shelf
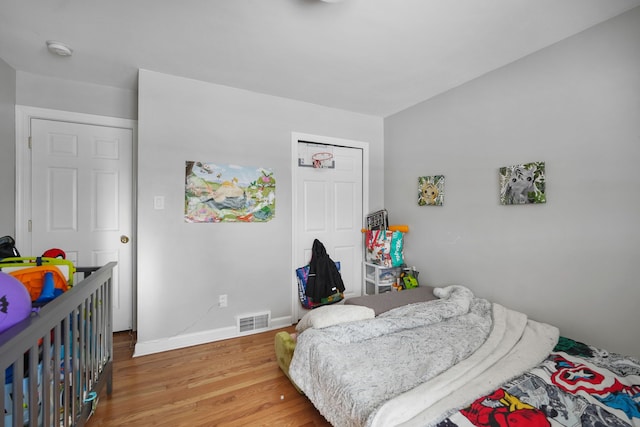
[378,278]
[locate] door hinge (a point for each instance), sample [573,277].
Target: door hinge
[29,225]
[29,142]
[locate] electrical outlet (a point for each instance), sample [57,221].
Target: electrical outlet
[222,300]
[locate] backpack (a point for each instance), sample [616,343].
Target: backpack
[44,282]
[302,274]
[8,247]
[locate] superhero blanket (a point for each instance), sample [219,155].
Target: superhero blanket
[414,363]
[576,385]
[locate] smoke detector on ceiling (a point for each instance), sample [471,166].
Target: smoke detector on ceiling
[58,48]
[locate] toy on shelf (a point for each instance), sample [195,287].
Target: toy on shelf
[43,278]
[378,220]
[383,242]
[15,302]
[408,278]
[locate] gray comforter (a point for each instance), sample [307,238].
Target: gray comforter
[354,372]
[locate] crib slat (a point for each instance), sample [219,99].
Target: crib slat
[17,391]
[83,324]
[56,392]
[74,363]
[32,400]
[66,397]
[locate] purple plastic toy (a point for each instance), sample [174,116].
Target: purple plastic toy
[15,302]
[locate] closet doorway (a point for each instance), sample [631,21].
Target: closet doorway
[329,204]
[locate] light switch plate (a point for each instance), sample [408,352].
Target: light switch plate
[158,202]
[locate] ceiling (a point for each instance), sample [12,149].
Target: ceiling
[375,57]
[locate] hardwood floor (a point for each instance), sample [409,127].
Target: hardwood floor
[235,382]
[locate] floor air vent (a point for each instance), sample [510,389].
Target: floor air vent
[254,322]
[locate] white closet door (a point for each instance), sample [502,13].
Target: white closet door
[329,208]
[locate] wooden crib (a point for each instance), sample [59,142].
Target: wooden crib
[56,362]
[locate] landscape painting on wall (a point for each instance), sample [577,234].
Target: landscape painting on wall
[228,193]
[523,184]
[431,190]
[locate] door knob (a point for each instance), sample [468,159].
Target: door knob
[124,239]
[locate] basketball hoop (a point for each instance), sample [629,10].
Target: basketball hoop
[320,158]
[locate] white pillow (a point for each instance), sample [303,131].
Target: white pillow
[329,315]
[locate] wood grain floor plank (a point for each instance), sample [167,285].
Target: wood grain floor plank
[235,382]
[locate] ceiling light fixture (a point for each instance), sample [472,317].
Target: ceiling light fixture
[58,48]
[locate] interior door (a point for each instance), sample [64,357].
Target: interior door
[329,207]
[82,200]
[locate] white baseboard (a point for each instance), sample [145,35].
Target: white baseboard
[173,343]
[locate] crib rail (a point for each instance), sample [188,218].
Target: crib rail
[56,362]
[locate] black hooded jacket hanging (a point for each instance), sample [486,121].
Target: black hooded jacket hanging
[324,278]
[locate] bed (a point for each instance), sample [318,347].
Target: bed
[56,363]
[455,360]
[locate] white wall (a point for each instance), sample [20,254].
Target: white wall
[68,95]
[182,267]
[574,261]
[7,148]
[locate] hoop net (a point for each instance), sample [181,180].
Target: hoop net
[321,159]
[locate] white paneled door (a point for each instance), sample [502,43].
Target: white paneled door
[329,207]
[81,200]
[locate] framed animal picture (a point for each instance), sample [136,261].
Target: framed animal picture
[523,184]
[431,190]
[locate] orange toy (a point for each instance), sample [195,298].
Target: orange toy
[401,228]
